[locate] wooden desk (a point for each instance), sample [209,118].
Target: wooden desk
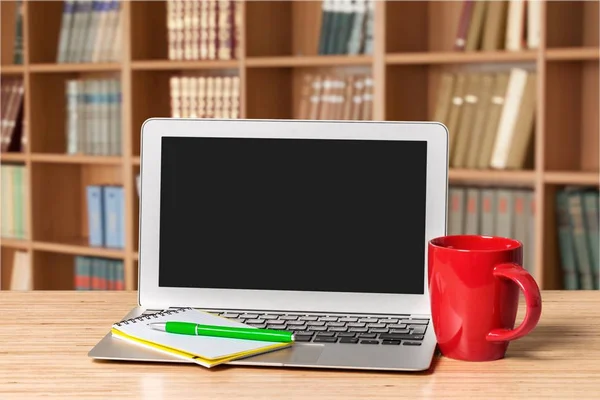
[45,337]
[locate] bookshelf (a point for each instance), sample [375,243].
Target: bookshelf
[413,45]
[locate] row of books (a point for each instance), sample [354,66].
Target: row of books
[95,273]
[18,41]
[501,211]
[93,116]
[205,96]
[203,29]
[336,97]
[90,31]
[11,114]
[490,117]
[106,215]
[511,25]
[577,218]
[346,27]
[13,201]
[21,276]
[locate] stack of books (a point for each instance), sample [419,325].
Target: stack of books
[203,29]
[490,117]
[205,96]
[577,218]
[13,197]
[11,112]
[106,216]
[90,31]
[512,25]
[93,116]
[492,211]
[336,97]
[93,273]
[347,27]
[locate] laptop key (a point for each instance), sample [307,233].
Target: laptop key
[290,323]
[348,319]
[269,316]
[325,334]
[302,338]
[419,330]
[398,336]
[355,325]
[346,334]
[308,318]
[328,319]
[315,323]
[361,330]
[229,315]
[317,328]
[411,343]
[276,326]
[297,328]
[249,316]
[388,321]
[325,339]
[404,331]
[390,342]
[414,322]
[336,324]
[337,329]
[288,317]
[368,320]
[378,330]
[348,340]
[369,342]
[376,325]
[368,336]
[397,326]
[255,321]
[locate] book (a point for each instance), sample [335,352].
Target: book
[494,26]
[480,119]
[454,113]
[444,97]
[565,242]
[462,137]
[495,109]
[488,211]
[95,212]
[203,350]
[473,213]
[520,224]
[504,212]
[589,199]
[578,231]
[463,25]
[474,36]
[457,211]
[534,21]
[515,25]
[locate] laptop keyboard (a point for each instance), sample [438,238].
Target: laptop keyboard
[350,329]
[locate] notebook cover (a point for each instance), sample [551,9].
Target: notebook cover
[203,350]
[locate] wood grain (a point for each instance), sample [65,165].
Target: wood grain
[45,338]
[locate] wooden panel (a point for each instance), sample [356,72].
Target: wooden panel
[269,93]
[563,115]
[591,13]
[59,199]
[589,116]
[149,39]
[53,271]
[8,11]
[268,29]
[444,17]
[552,274]
[406,93]
[406,26]
[44,20]
[306,27]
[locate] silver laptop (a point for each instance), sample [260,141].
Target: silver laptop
[317,227]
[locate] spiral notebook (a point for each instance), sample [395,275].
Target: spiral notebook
[204,350]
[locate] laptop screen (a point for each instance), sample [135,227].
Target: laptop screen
[293,214]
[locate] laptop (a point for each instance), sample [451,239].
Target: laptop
[317,227]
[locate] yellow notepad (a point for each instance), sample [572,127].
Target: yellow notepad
[204,350]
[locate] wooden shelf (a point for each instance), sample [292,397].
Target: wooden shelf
[80,250]
[75,159]
[77,68]
[12,69]
[455,57]
[572,178]
[161,65]
[573,54]
[19,244]
[19,157]
[309,61]
[492,176]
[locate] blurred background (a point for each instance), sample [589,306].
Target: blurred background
[515,81]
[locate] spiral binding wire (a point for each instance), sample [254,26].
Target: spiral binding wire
[151,316]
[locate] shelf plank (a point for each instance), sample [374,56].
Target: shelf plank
[492,176]
[160,65]
[572,177]
[573,54]
[19,157]
[82,67]
[78,250]
[19,244]
[75,159]
[457,57]
[309,61]
[12,69]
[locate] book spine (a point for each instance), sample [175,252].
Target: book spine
[224,29]
[120,276]
[204,27]
[590,205]
[356,38]
[473,208]
[565,242]
[235,97]
[457,211]
[488,212]
[213,21]
[72,95]
[463,25]
[120,205]
[111,217]
[504,213]
[515,25]
[579,240]
[520,224]
[18,44]
[95,210]
[534,21]
[369,29]
[10,215]
[530,214]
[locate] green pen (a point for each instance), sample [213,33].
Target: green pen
[190,328]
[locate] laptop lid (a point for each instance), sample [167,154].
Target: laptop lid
[290,215]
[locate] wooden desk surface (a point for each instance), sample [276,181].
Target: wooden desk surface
[45,338]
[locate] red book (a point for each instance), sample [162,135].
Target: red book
[463,25]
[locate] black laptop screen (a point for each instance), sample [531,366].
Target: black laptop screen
[293,214]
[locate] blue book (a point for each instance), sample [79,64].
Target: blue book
[111,217]
[95,210]
[121,213]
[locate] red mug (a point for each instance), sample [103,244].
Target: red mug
[474,284]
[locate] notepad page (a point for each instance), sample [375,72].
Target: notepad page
[206,347]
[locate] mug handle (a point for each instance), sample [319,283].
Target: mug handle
[533,299]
